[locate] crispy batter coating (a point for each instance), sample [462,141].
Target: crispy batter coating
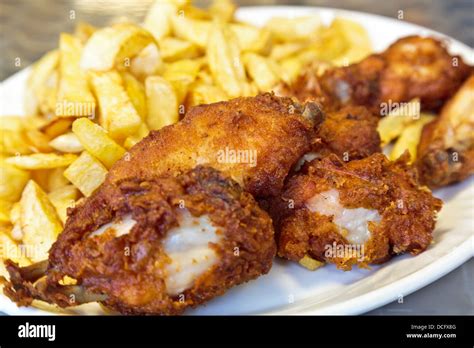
[256,141]
[446,148]
[407,211]
[412,67]
[128,269]
[350,132]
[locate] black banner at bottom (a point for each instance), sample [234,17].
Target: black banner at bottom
[328,330]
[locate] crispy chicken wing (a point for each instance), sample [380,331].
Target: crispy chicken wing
[446,148]
[256,141]
[153,246]
[354,213]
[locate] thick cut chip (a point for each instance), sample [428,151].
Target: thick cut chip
[95,140]
[114,46]
[262,70]
[147,62]
[63,198]
[162,103]
[294,29]
[117,113]
[136,92]
[86,173]
[41,161]
[39,222]
[395,121]
[12,181]
[173,49]
[68,143]
[74,95]
[158,19]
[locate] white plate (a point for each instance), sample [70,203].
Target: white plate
[290,289]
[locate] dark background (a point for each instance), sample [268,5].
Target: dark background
[29,28]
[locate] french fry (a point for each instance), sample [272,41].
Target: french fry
[262,70]
[40,74]
[41,161]
[83,31]
[117,114]
[12,136]
[158,19]
[56,179]
[74,96]
[5,210]
[357,41]
[192,30]
[114,46]
[12,181]
[63,198]
[410,137]
[252,39]
[310,263]
[393,124]
[202,93]
[95,140]
[38,140]
[287,49]
[39,221]
[294,29]
[134,139]
[147,62]
[67,143]
[10,250]
[222,9]
[162,103]
[224,61]
[57,126]
[86,173]
[136,92]
[173,49]
[181,75]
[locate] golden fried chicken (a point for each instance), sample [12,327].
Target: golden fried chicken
[446,148]
[356,213]
[412,67]
[154,246]
[256,141]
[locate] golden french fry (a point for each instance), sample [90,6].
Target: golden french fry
[310,263]
[86,173]
[15,218]
[181,75]
[41,160]
[134,139]
[262,70]
[10,250]
[95,140]
[5,211]
[192,30]
[57,126]
[287,49]
[224,61]
[173,49]
[39,222]
[136,92]
[114,46]
[395,121]
[410,137]
[74,97]
[252,39]
[202,93]
[38,140]
[157,20]
[38,79]
[13,142]
[357,41]
[83,31]
[12,181]
[56,179]
[162,103]
[294,29]
[222,9]
[117,114]
[147,62]
[63,198]
[68,143]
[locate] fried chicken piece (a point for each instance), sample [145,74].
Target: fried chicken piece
[355,213]
[446,148]
[412,67]
[350,132]
[154,246]
[256,141]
